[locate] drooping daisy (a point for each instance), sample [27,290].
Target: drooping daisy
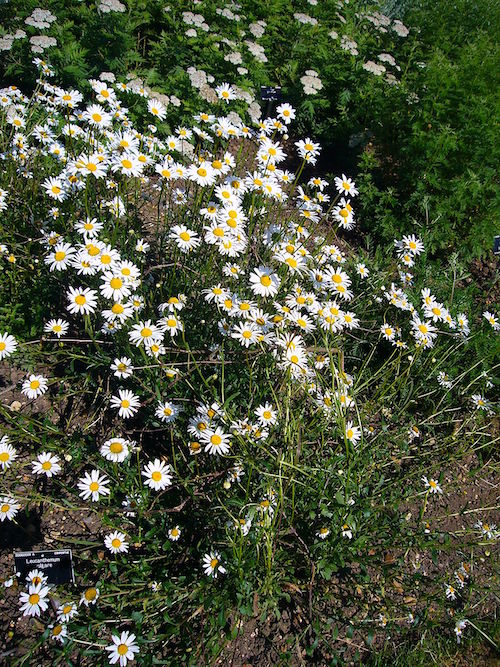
[58,632]
[323,533]
[8,345]
[122,649]
[46,464]
[126,402]
[116,542]
[34,386]
[158,475]
[212,564]
[89,596]
[57,327]
[93,485]
[115,449]
[34,601]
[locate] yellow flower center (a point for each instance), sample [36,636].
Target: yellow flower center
[116,447]
[127,164]
[96,117]
[117,308]
[116,543]
[80,299]
[5,508]
[184,236]
[34,384]
[201,172]
[116,283]
[171,322]
[34,598]
[156,476]
[46,465]
[265,280]
[56,630]
[90,594]
[216,439]
[125,404]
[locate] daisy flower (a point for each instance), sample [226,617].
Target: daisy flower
[66,611]
[116,542]
[167,412]
[352,433]
[264,282]
[60,258]
[450,592]
[346,531]
[323,533]
[7,453]
[58,632]
[115,449]
[480,402]
[432,485]
[488,529]
[114,286]
[216,441]
[122,367]
[158,475]
[492,319]
[266,414]
[34,601]
[225,92]
[8,508]
[246,333]
[126,402]
[57,327]
[286,112]
[122,649]
[345,185]
[212,565]
[174,533]
[81,300]
[185,239]
[36,577]
[8,345]
[93,486]
[34,386]
[46,464]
